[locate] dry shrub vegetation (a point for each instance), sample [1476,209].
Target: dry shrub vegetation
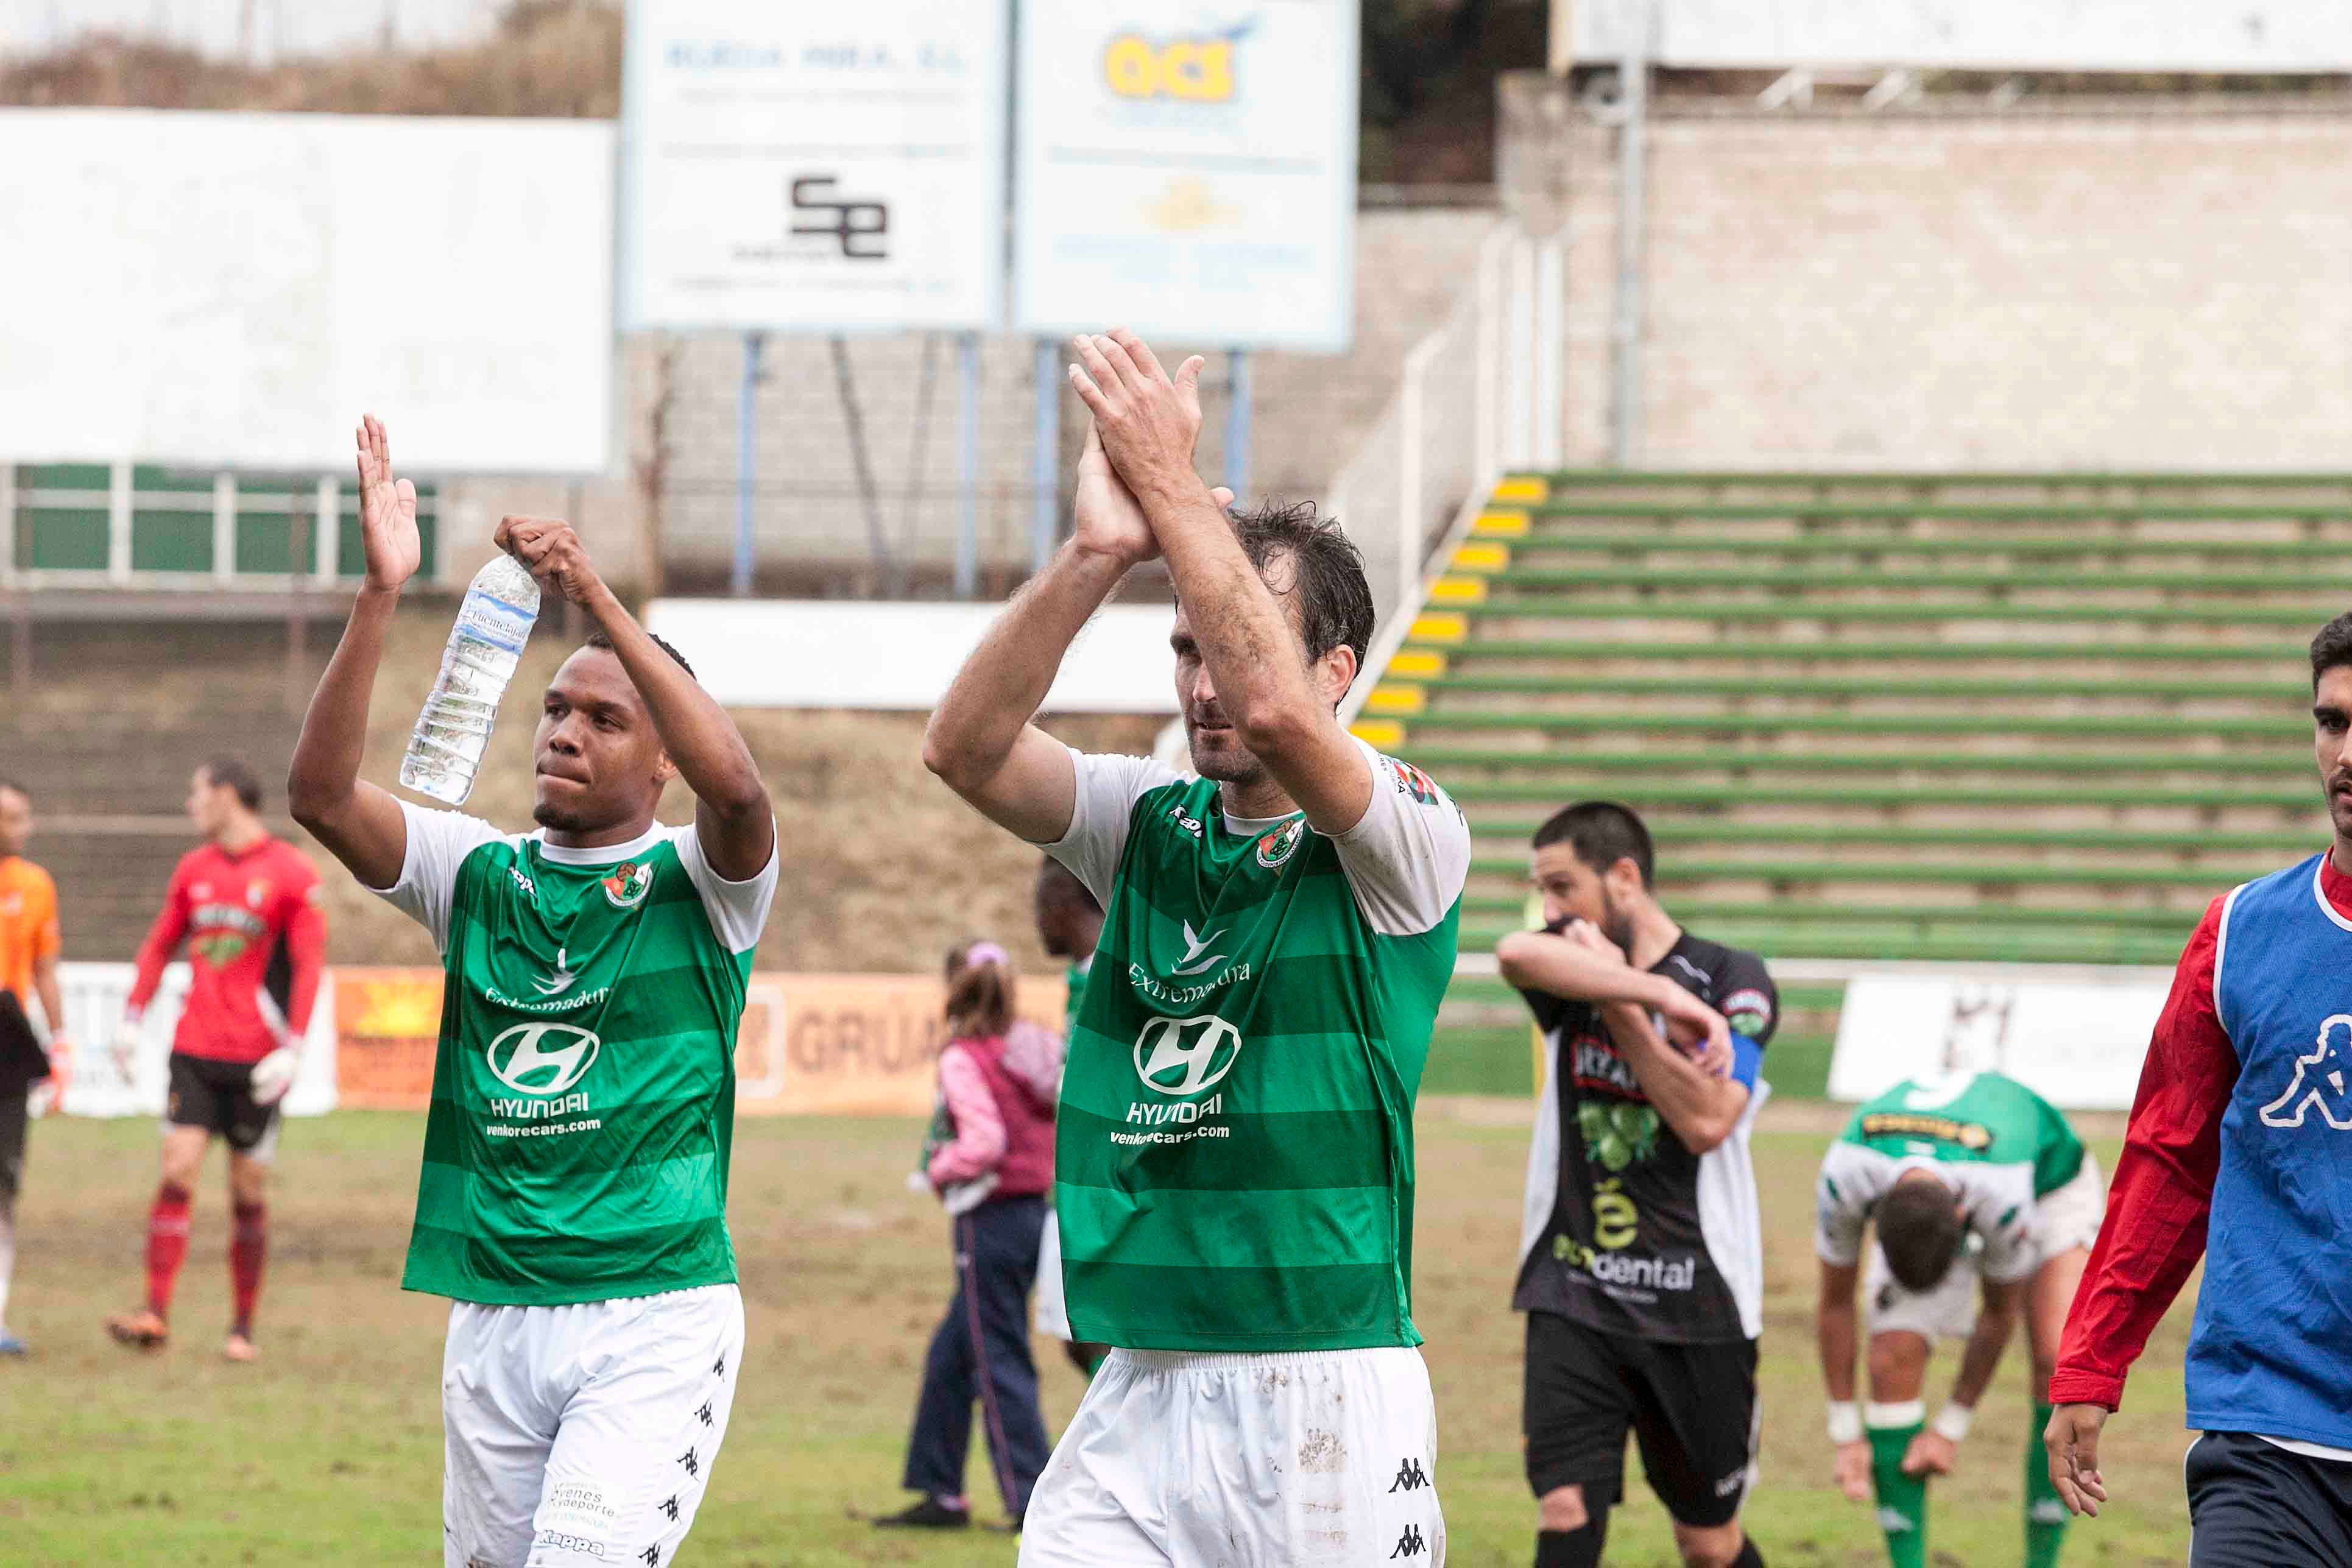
[559,57]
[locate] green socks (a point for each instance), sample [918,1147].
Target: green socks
[2045,1515]
[1902,1500]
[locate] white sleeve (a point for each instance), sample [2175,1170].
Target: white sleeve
[1408,858]
[1852,1178]
[737,910]
[438,843]
[2001,1211]
[1108,789]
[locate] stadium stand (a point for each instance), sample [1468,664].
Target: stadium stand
[1983,718]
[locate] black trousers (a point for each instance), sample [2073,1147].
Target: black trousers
[981,1352]
[2253,1504]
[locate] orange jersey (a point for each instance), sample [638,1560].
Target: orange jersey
[28,923]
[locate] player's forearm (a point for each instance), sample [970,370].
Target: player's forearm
[53,1001]
[1837,1332]
[1545,961]
[1245,638]
[1982,1357]
[1005,679]
[696,732]
[1701,1109]
[325,771]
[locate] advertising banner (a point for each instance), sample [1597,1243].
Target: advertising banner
[2078,1044]
[97,1084]
[799,167]
[1188,168]
[228,291]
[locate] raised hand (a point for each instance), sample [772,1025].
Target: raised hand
[2071,1441]
[551,552]
[387,512]
[1148,419]
[1110,519]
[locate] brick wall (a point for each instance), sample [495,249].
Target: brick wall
[2155,286]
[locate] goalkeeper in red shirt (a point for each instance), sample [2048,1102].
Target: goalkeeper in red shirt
[246,905]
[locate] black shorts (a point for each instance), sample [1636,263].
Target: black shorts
[14,1115]
[218,1098]
[1691,1407]
[2253,1504]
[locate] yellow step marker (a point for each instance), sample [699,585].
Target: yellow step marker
[1500,525]
[1482,555]
[1438,627]
[1458,591]
[1533,487]
[1381,734]
[1387,698]
[1417,663]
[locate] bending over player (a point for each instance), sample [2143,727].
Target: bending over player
[246,905]
[573,1202]
[1968,1179]
[1233,1162]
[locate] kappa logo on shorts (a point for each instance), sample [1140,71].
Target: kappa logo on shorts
[1186,1056]
[1410,1544]
[1410,1477]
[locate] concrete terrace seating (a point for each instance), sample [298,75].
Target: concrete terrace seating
[1965,718]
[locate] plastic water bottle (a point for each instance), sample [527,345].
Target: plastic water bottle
[484,646]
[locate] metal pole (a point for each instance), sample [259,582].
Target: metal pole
[1551,351]
[1632,146]
[1237,425]
[967,549]
[1045,467]
[747,466]
[1411,526]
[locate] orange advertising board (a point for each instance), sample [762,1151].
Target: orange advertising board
[821,1045]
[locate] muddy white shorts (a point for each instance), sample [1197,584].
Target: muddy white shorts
[1243,1461]
[584,1435]
[1051,1315]
[2063,1219]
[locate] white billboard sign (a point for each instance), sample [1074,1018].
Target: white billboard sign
[2247,36]
[1188,168]
[96,1084]
[2077,1044]
[792,166]
[234,290]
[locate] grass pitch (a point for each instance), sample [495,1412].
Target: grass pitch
[328,1452]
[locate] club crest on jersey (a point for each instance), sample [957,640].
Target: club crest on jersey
[631,880]
[1281,842]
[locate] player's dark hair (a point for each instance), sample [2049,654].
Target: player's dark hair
[2332,649]
[1602,833]
[234,773]
[1335,597]
[598,639]
[1058,884]
[980,996]
[1919,1230]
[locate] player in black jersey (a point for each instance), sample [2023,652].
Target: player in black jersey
[1640,1255]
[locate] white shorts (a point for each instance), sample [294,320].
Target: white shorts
[2064,1219]
[1052,1313]
[584,1435]
[1243,1461]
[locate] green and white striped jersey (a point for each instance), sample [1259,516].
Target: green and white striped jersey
[584,1087]
[1234,1159]
[1995,1142]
